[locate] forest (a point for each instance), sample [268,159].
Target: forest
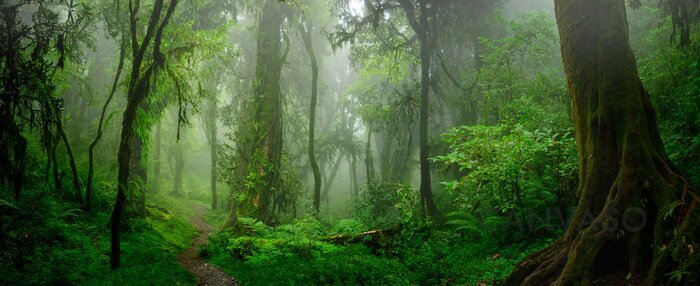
[349,142]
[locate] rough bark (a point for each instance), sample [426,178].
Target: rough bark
[306,35]
[637,216]
[262,145]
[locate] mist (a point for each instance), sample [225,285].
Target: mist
[349,142]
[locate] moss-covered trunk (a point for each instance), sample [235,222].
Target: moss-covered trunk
[261,142]
[626,226]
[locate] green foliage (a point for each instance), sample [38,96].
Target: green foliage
[294,254]
[510,172]
[386,205]
[672,77]
[49,242]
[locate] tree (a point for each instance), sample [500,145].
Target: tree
[308,44]
[630,195]
[419,24]
[100,125]
[210,129]
[261,143]
[139,86]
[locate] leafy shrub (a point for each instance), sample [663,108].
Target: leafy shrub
[510,178]
[385,205]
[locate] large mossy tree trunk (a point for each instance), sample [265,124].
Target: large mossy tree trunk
[136,197]
[637,217]
[259,172]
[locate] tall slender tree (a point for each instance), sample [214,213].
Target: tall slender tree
[142,73]
[419,23]
[305,31]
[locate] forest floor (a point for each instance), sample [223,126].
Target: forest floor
[206,273]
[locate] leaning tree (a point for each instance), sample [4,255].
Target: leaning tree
[637,218]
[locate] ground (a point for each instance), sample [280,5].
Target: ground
[206,273]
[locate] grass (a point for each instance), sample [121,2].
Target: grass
[50,242]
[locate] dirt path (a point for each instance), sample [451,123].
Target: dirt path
[206,273]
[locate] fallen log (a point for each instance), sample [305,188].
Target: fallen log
[371,237]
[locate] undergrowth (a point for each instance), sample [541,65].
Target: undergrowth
[49,242]
[302,253]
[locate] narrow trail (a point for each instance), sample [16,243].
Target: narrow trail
[206,273]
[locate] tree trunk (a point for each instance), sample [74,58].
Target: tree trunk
[179,165]
[306,35]
[77,189]
[155,181]
[136,197]
[100,124]
[139,86]
[58,185]
[637,216]
[369,161]
[263,143]
[420,27]
[353,175]
[329,182]
[212,149]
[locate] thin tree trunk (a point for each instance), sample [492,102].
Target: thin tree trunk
[156,158]
[329,182]
[353,174]
[179,166]
[71,159]
[306,35]
[98,136]
[58,185]
[212,149]
[420,27]
[369,161]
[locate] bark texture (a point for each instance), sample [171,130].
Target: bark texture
[637,217]
[261,140]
